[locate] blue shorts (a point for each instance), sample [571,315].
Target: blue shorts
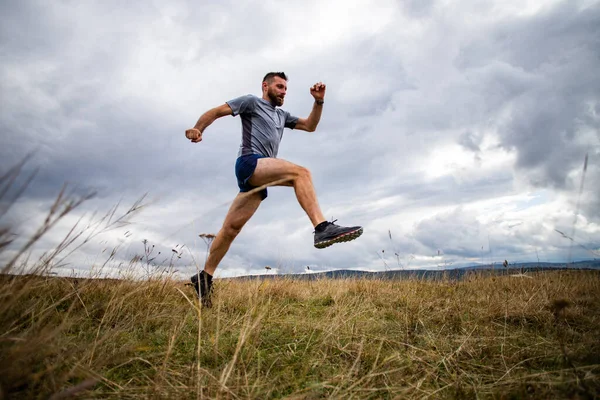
[244,168]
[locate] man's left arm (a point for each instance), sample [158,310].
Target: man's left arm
[310,123]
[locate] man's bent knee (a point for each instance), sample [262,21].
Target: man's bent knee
[302,173]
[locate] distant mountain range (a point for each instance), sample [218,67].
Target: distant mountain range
[437,273]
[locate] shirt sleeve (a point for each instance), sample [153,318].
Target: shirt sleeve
[241,105]
[290,120]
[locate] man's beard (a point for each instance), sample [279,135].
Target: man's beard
[274,99]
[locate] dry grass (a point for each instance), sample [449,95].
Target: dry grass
[486,337]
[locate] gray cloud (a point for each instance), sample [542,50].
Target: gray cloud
[554,56]
[416,8]
[456,233]
[425,112]
[470,141]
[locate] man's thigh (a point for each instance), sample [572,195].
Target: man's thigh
[270,170]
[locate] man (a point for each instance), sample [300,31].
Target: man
[257,167]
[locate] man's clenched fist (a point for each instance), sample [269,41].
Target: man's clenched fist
[194,135]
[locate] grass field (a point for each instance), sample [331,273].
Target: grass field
[484,337]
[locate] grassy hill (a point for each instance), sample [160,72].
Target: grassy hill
[454,273]
[482,336]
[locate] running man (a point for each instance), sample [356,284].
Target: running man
[257,167]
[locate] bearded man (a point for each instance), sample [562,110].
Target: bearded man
[258,167]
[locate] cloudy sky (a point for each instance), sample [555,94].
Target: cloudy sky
[453,131]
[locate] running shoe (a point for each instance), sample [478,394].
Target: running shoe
[328,233]
[203,287]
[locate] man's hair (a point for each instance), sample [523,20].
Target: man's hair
[269,77]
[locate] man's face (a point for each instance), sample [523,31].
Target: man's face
[276,90]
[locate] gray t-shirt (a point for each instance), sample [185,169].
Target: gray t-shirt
[262,125]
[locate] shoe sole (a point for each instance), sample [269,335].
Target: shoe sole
[346,237]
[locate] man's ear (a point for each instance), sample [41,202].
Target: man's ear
[265,85]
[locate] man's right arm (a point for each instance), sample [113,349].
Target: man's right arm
[195,134]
